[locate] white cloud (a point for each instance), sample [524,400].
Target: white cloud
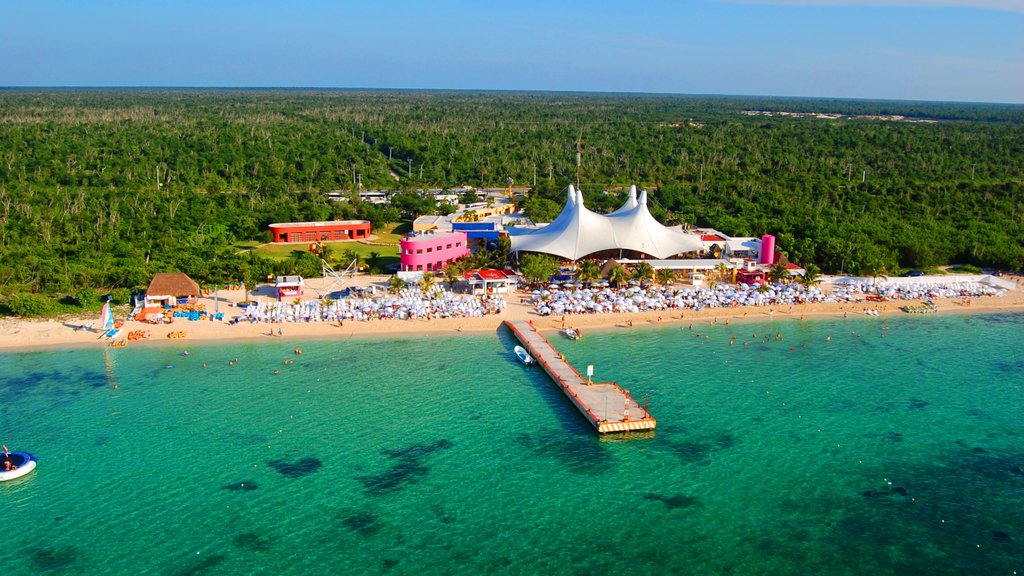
[997,5]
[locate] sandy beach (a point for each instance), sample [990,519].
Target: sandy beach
[17,334]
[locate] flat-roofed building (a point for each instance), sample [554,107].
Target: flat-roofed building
[288,286]
[431,252]
[320,231]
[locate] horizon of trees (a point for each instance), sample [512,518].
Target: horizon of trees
[101,188]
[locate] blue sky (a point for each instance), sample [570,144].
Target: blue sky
[904,49]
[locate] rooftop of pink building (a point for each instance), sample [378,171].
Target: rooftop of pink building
[430,236]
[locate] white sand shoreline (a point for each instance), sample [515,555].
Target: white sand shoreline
[26,335]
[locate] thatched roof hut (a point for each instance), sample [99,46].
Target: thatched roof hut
[169,286]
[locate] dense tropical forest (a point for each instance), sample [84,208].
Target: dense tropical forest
[101,188]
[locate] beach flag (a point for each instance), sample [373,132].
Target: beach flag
[106,316]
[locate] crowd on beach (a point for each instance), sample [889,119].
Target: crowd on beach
[597,300]
[407,304]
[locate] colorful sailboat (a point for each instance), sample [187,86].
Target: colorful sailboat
[107,321]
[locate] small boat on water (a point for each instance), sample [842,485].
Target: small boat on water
[15,465]
[572,333]
[523,355]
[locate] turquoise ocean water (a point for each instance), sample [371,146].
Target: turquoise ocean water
[896,448]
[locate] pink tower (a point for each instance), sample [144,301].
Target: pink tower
[767,250]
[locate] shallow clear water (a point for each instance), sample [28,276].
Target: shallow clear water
[443,455]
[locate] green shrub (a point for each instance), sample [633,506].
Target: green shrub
[121,295]
[31,305]
[85,297]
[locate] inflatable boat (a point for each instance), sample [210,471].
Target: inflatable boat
[16,465]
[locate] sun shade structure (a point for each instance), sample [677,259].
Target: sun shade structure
[578,232]
[167,287]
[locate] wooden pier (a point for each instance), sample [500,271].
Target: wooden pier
[605,405]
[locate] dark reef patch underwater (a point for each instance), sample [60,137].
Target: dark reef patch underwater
[298,468]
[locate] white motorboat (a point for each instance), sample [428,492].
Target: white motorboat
[523,355]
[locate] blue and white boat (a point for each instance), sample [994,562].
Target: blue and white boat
[15,465]
[523,355]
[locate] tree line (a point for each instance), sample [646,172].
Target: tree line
[101,188]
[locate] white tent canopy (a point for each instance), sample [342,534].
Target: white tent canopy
[578,232]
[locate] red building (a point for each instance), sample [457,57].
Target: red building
[750,276]
[320,231]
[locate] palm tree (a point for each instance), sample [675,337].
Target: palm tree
[348,256]
[427,282]
[666,276]
[812,275]
[501,254]
[618,276]
[643,271]
[453,271]
[778,273]
[723,271]
[589,271]
[372,261]
[395,284]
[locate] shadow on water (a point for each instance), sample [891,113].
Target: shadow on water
[55,558]
[697,450]
[201,565]
[1009,366]
[958,515]
[243,486]
[408,468]
[251,541]
[675,501]
[298,468]
[56,382]
[581,453]
[363,523]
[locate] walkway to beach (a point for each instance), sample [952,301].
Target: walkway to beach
[605,405]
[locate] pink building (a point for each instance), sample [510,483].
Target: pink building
[432,252]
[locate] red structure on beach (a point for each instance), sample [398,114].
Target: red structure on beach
[320,231]
[750,276]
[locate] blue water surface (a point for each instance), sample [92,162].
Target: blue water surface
[860,446]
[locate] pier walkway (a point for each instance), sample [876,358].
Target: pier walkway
[605,405]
